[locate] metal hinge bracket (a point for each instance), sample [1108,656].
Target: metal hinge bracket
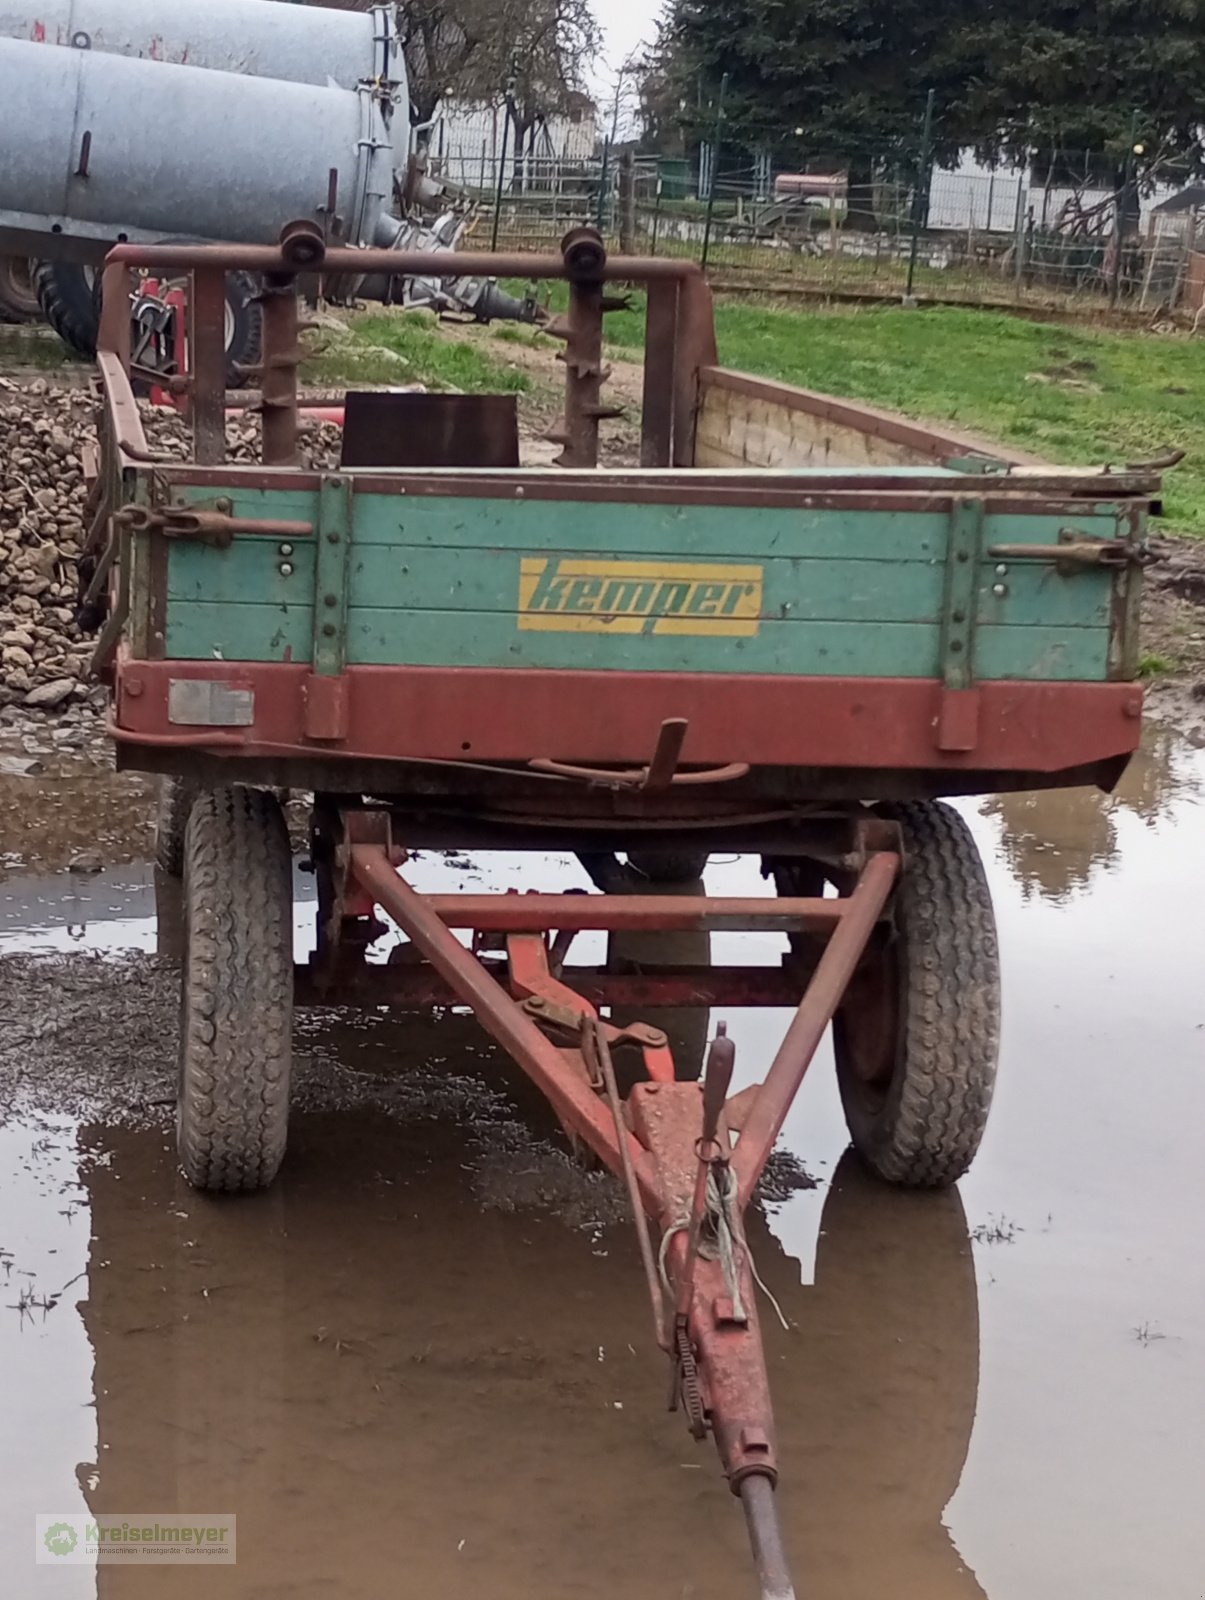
[331,575]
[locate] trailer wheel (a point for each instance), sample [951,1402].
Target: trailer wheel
[176,796]
[669,866]
[237,995]
[68,297]
[917,1036]
[18,297]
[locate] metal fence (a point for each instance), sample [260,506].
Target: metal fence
[973,235]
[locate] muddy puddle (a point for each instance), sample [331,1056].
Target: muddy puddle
[420,1365]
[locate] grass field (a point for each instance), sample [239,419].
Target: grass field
[1068,394]
[410,348]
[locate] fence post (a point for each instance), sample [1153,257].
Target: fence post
[627,203]
[715,170]
[600,210]
[1121,202]
[509,98]
[1019,237]
[922,177]
[656,216]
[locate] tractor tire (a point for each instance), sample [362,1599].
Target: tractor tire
[917,1035]
[236,1006]
[18,297]
[244,322]
[669,866]
[176,796]
[67,294]
[244,329]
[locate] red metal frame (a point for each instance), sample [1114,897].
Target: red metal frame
[670,1141]
[479,714]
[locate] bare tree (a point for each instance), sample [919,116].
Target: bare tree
[532,52]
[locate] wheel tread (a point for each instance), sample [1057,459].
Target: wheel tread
[236,1014]
[938,1106]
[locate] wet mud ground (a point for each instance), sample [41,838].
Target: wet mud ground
[420,1366]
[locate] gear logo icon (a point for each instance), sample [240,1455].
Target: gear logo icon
[60,1538]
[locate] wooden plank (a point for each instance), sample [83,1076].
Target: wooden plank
[683,531]
[253,572]
[765,423]
[207,631]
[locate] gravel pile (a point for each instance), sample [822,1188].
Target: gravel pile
[43,428]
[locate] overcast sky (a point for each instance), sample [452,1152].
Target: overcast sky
[626,24]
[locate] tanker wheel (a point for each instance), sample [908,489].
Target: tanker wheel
[236,1005]
[244,322]
[176,797]
[69,296]
[18,297]
[917,1036]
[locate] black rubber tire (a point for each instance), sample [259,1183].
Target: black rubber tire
[245,329]
[244,322]
[176,796]
[67,295]
[669,866]
[18,297]
[70,299]
[917,1037]
[236,1004]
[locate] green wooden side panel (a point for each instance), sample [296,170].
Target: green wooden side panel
[488,580]
[436,581]
[811,591]
[489,639]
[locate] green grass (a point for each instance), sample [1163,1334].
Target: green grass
[1074,397]
[1071,395]
[1153,665]
[408,347]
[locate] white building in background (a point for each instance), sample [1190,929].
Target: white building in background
[978,198]
[466,142]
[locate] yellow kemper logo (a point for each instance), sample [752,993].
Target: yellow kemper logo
[583,594]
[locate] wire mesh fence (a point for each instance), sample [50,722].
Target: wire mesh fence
[1065,237]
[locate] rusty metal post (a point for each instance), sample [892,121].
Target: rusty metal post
[114,332]
[207,361]
[696,348]
[657,404]
[280,362]
[585,257]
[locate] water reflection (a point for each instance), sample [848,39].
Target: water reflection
[1053,841]
[398,1392]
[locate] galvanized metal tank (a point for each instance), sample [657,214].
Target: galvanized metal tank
[97,147]
[308,44]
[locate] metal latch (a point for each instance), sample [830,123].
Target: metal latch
[1075,551]
[218,528]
